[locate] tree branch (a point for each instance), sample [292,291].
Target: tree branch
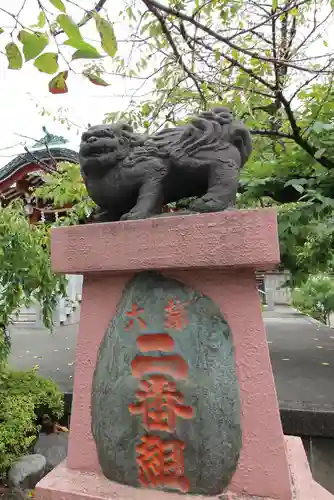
[236,63]
[298,138]
[98,7]
[41,163]
[12,15]
[227,41]
[307,82]
[279,61]
[178,56]
[313,30]
[272,133]
[274,15]
[315,118]
[188,39]
[274,49]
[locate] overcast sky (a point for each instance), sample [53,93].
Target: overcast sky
[22,90]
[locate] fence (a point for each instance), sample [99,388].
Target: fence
[270,285]
[67,311]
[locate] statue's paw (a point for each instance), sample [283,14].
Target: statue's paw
[207,204]
[134,216]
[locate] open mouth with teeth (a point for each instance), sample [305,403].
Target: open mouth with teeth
[94,146]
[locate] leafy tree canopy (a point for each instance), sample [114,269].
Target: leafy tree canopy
[264,58]
[316,297]
[25,271]
[271,62]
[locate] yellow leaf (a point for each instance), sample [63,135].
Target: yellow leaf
[107,35]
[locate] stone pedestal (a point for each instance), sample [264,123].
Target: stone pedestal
[216,255]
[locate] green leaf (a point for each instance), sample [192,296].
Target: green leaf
[296,182]
[328,126]
[318,127]
[299,188]
[107,35]
[155,29]
[85,50]
[41,21]
[235,54]
[58,4]
[90,53]
[47,63]
[146,109]
[224,14]
[130,13]
[80,45]
[144,27]
[274,4]
[33,43]
[318,154]
[1,31]
[96,79]
[325,43]
[69,26]
[234,8]
[58,84]
[14,56]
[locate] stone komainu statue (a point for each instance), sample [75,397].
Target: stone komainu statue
[132,176]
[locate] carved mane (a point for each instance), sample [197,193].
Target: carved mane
[211,131]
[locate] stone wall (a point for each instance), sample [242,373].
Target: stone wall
[275,289]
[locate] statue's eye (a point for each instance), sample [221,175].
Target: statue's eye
[127,128]
[85,136]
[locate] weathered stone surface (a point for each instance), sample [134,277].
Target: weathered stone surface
[53,447]
[27,472]
[15,494]
[212,437]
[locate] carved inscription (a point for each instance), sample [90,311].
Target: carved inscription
[159,402]
[161,463]
[176,316]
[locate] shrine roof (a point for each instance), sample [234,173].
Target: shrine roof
[25,159]
[41,149]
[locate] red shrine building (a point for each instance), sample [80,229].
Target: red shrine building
[25,172]
[18,178]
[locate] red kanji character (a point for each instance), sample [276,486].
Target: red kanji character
[161,463]
[155,342]
[173,365]
[176,317]
[160,404]
[134,315]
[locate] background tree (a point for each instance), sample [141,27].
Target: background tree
[262,58]
[25,270]
[272,62]
[316,297]
[25,276]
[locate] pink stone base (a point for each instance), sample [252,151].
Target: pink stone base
[68,484]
